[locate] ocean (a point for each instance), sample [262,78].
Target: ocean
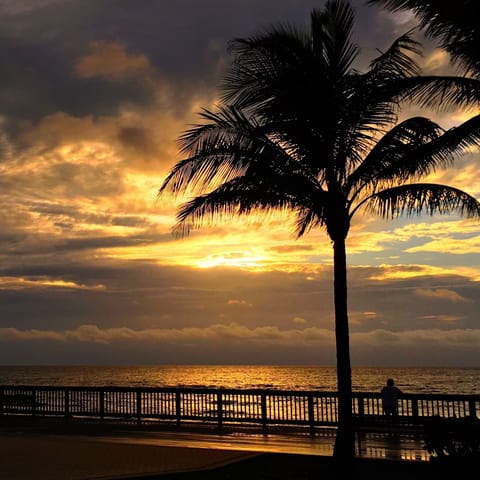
[442,380]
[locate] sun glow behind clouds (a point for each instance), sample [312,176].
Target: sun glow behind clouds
[233,259]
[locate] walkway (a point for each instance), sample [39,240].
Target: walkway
[115,450]
[394,446]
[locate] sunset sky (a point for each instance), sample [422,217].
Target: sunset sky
[94,95]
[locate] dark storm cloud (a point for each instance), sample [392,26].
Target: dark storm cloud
[406,304]
[77,245]
[38,79]
[185,41]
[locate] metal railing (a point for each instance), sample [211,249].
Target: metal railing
[226,406]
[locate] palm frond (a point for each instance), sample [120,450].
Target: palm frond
[331,32]
[420,198]
[455,26]
[308,218]
[397,61]
[258,64]
[389,161]
[411,150]
[221,149]
[244,195]
[443,93]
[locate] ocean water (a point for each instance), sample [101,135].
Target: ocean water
[321,378]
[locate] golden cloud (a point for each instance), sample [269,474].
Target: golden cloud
[437,63]
[390,272]
[449,245]
[240,303]
[299,321]
[19,283]
[442,318]
[110,59]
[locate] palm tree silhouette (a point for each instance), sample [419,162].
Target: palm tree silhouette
[299,129]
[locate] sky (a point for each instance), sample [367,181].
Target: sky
[94,95]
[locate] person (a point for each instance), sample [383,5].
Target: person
[390,394]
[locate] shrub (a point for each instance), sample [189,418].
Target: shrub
[453,437]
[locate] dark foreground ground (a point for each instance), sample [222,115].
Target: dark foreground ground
[59,450]
[273,466]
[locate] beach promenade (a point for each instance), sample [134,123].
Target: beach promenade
[49,449]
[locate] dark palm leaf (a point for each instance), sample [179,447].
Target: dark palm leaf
[418,198]
[454,24]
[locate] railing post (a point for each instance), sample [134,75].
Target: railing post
[264,410]
[66,395]
[361,409]
[219,409]
[34,403]
[472,408]
[415,416]
[102,405]
[311,412]
[139,406]
[178,406]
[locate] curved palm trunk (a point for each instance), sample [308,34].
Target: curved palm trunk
[344,449]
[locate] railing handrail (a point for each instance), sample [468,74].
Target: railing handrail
[270,391]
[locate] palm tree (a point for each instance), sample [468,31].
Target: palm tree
[300,130]
[454,25]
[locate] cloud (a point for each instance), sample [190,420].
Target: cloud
[217,332]
[292,248]
[94,96]
[419,338]
[437,63]
[19,283]
[111,60]
[442,294]
[453,246]
[299,321]
[442,318]
[17,7]
[240,303]
[408,271]
[234,333]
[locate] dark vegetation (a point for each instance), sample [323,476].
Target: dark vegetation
[455,438]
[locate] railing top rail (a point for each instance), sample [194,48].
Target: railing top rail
[236,391]
[110,388]
[424,396]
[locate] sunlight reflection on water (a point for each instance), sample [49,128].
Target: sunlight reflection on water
[321,378]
